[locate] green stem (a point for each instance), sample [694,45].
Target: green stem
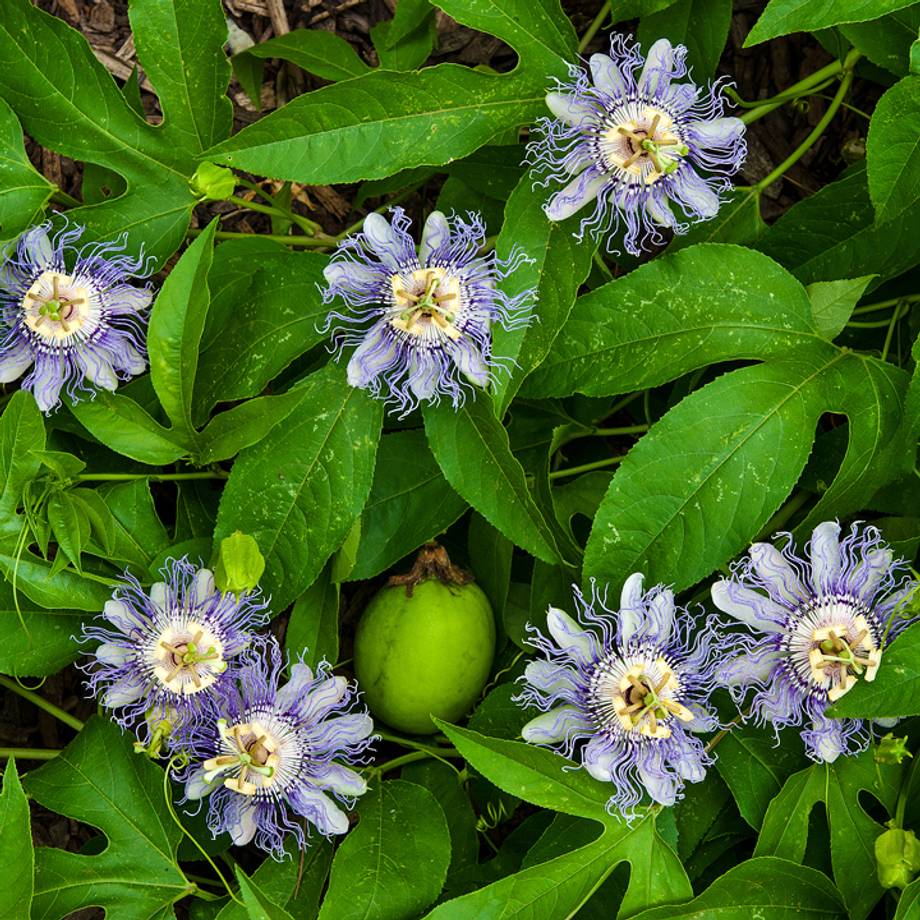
[155,477]
[42,703]
[603,267]
[596,23]
[584,468]
[782,516]
[430,749]
[719,735]
[880,323]
[358,224]
[800,151]
[29,753]
[903,792]
[59,196]
[307,241]
[884,304]
[895,319]
[612,432]
[397,762]
[763,107]
[304,223]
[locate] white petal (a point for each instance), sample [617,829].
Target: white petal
[292,691]
[599,760]
[550,678]
[374,355]
[341,780]
[158,595]
[565,108]
[752,667]
[350,274]
[97,370]
[661,786]
[125,298]
[828,745]
[660,211]
[717,132]
[555,725]
[659,67]
[196,787]
[824,552]
[571,199]
[118,613]
[694,195]
[470,362]
[244,828]
[435,234]
[110,653]
[14,363]
[872,569]
[775,570]
[606,75]
[204,585]
[631,612]
[748,606]
[383,239]
[324,698]
[122,692]
[569,636]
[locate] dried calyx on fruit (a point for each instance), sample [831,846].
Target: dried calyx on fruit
[424,645]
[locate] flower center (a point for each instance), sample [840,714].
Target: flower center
[55,306]
[188,659]
[644,145]
[641,697]
[251,752]
[833,644]
[426,303]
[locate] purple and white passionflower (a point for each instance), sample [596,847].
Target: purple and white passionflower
[71,314]
[270,753]
[163,652]
[624,692]
[815,627]
[630,147]
[422,319]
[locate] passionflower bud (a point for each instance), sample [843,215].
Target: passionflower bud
[897,855]
[239,564]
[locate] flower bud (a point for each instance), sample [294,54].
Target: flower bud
[212,183]
[239,564]
[897,853]
[892,749]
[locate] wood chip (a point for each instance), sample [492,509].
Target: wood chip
[119,68]
[102,17]
[278,16]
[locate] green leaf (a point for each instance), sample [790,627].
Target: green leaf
[560,265]
[68,526]
[375,125]
[16,853]
[38,581]
[258,905]
[765,887]
[675,314]
[313,627]
[139,533]
[538,776]
[886,41]
[44,644]
[406,41]
[852,831]
[300,489]
[833,302]
[700,25]
[784,16]
[244,425]
[24,191]
[174,333]
[315,51]
[909,902]
[895,692]
[833,234]
[471,447]
[119,423]
[709,474]
[22,438]
[99,780]
[267,309]
[893,151]
[755,767]
[394,863]
[67,101]
[410,503]
[179,43]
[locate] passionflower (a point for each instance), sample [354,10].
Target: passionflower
[421,319]
[71,315]
[631,147]
[815,628]
[163,652]
[625,692]
[269,754]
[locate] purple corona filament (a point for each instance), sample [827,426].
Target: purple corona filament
[71,315]
[422,318]
[624,693]
[630,147]
[815,627]
[165,651]
[270,755]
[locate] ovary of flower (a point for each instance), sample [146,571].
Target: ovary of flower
[645,147]
[253,751]
[55,306]
[640,705]
[840,659]
[191,658]
[428,299]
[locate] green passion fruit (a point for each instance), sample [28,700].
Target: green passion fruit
[424,645]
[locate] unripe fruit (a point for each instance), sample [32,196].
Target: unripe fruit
[424,645]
